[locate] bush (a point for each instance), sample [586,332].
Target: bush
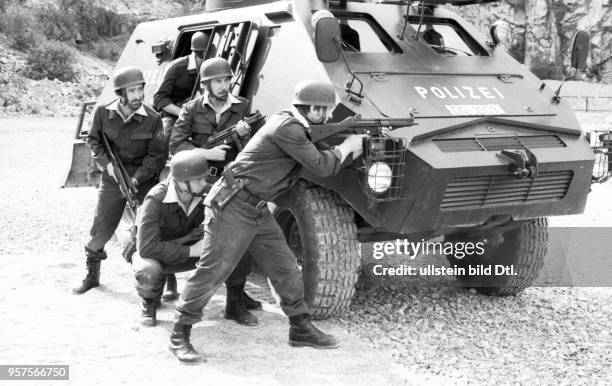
[107,50]
[58,23]
[19,25]
[52,60]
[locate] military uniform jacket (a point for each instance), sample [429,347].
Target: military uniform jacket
[177,84]
[272,161]
[139,142]
[160,222]
[197,122]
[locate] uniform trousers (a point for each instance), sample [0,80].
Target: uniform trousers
[109,210]
[150,274]
[228,234]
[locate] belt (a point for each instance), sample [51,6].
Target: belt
[251,199]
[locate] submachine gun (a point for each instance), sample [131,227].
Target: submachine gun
[128,191]
[384,157]
[230,137]
[357,125]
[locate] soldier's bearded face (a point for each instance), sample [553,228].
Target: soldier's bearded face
[134,96]
[198,186]
[194,187]
[219,88]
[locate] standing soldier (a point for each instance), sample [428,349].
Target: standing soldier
[170,231]
[214,111]
[238,219]
[135,133]
[180,82]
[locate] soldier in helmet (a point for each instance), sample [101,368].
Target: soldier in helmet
[169,236]
[135,132]
[213,111]
[238,219]
[179,82]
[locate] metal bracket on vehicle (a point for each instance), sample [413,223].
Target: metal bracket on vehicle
[523,163]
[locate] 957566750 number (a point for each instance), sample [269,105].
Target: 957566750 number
[34,372]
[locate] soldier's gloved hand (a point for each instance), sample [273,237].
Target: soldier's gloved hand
[216,153]
[111,171]
[352,144]
[242,128]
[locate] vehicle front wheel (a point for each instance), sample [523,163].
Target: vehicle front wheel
[523,248]
[320,230]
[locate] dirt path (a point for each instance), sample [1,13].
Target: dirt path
[41,241]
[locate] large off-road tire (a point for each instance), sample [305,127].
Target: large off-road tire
[523,247]
[320,230]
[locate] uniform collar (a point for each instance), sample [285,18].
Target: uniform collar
[231,100]
[114,107]
[299,117]
[191,63]
[171,197]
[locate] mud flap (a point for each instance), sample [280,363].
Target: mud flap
[83,170]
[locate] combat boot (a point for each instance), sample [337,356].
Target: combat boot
[148,312]
[181,347]
[171,293]
[249,302]
[236,310]
[92,279]
[303,333]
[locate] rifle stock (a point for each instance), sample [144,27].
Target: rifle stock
[123,179]
[356,125]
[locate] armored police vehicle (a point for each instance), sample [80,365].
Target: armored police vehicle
[481,151]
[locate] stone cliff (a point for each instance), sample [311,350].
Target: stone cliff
[542,32]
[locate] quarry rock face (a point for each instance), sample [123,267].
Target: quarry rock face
[542,32]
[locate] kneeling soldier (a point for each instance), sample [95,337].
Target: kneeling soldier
[169,238]
[238,219]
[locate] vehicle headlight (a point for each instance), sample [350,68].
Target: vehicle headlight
[380,177]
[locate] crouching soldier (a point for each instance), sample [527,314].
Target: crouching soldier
[134,132]
[169,238]
[238,219]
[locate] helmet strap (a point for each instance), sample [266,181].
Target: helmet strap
[189,191]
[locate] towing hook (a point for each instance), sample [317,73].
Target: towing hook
[523,163]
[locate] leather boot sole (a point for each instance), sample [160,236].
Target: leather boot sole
[295,343]
[170,296]
[195,361]
[242,322]
[82,289]
[148,322]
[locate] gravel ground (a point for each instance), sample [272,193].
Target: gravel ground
[396,331]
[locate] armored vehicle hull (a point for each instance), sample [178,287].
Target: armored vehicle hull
[491,152]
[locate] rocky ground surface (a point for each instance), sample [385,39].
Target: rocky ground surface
[396,331]
[23,96]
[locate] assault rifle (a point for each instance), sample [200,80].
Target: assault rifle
[128,191]
[230,137]
[356,125]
